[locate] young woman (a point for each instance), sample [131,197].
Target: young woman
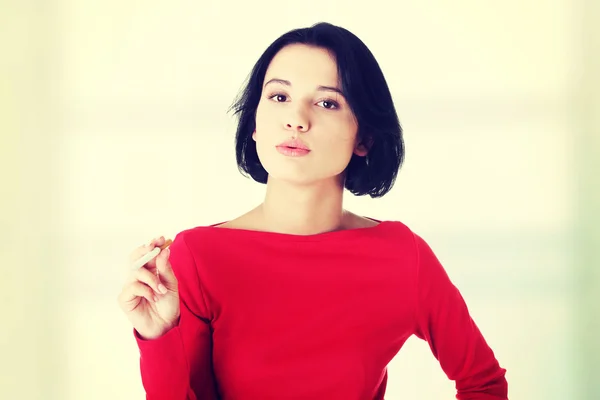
[300,298]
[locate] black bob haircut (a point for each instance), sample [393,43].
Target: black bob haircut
[367,94]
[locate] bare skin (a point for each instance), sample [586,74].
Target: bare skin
[254,220]
[151,302]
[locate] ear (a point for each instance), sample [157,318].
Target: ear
[254,136]
[362,148]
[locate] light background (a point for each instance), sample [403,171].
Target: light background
[114,130]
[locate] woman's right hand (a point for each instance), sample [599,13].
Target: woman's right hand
[151,300]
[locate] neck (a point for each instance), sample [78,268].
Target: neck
[304,210]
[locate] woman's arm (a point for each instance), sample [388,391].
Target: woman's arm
[443,320]
[178,365]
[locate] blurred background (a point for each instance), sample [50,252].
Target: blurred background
[114,129]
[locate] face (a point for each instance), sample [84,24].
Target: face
[305,130]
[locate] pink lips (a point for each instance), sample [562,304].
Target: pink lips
[293,148]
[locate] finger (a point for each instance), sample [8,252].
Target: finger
[145,276]
[134,291]
[165,243]
[166,270]
[144,261]
[145,249]
[139,252]
[158,241]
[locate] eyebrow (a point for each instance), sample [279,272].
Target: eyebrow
[319,88]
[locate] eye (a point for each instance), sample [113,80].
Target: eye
[328,104]
[279,98]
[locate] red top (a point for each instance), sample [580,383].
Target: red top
[277,316]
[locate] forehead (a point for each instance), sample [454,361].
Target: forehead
[300,64]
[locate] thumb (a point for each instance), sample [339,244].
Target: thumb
[163,265]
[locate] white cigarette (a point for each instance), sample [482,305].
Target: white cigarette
[143,260]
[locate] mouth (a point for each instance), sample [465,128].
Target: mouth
[294,145]
[293,148]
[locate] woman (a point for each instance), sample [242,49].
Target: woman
[300,298]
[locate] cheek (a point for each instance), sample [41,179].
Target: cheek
[263,123]
[338,148]
[264,112]
[342,134]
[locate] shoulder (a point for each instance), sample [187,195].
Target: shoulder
[398,232]
[405,239]
[191,244]
[197,236]
[190,248]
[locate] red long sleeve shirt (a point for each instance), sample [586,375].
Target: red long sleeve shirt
[275,316]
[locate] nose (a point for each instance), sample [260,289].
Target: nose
[297,122]
[295,127]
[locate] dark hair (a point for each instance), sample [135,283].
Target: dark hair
[367,94]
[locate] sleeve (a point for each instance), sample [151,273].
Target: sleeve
[443,320]
[178,365]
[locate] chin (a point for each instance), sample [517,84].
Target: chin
[300,171]
[296,176]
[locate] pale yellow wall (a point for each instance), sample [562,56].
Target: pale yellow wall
[105,103]
[586,116]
